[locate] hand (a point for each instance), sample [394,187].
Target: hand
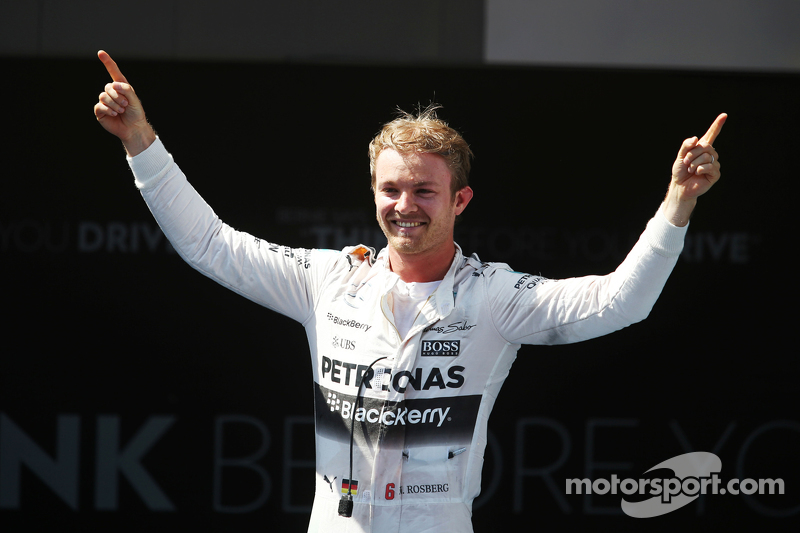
[120,111]
[696,168]
[695,171]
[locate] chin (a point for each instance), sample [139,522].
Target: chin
[404,246]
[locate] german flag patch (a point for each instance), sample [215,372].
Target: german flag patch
[349,485]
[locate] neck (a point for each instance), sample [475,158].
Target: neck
[423,267]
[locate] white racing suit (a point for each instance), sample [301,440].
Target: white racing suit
[419,416]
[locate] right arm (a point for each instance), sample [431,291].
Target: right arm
[278,277]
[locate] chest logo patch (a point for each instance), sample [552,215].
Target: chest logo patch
[434,348]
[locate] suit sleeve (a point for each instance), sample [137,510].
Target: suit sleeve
[278,277]
[533,310]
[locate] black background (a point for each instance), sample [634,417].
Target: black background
[570,164]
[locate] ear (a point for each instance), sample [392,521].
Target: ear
[462,198]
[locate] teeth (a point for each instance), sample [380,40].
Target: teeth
[408,224]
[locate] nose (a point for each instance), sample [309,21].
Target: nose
[405,203]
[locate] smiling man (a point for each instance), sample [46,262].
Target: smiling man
[416,197]
[409,346]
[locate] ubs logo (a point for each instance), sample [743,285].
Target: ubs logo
[344,344]
[441,348]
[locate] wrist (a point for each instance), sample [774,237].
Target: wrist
[140,140]
[676,208]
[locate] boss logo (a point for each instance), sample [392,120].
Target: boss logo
[441,348]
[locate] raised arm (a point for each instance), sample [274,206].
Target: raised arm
[120,111]
[283,279]
[695,171]
[533,310]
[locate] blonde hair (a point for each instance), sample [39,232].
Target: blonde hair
[424,133]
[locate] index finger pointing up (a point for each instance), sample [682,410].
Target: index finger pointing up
[111,66]
[714,130]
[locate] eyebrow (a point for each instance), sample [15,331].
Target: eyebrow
[416,184]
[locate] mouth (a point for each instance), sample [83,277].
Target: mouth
[406,224]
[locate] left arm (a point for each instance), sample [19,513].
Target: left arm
[576,309]
[539,311]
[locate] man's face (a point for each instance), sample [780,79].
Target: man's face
[415,207]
